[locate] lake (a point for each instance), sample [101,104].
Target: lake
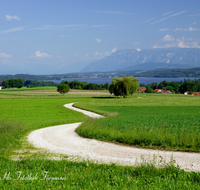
[144,80]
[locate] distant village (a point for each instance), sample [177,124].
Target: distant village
[143,90]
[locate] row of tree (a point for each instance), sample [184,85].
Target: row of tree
[18,83]
[34,83]
[119,87]
[13,83]
[174,87]
[84,85]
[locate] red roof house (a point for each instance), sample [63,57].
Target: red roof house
[141,89]
[166,92]
[157,90]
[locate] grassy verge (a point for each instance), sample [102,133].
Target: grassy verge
[30,174]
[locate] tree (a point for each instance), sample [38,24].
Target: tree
[20,83]
[12,83]
[149,90]
[154,85]
[5,84]
[123,86]
[188,87]
[63,88]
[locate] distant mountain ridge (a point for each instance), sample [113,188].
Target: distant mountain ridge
[121,59]
[153,66]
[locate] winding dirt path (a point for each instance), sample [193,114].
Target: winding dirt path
[63,139]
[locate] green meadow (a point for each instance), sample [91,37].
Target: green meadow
[168,116]
[168,122]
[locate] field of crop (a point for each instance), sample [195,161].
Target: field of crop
[169,122]
[164,127]
[22,112]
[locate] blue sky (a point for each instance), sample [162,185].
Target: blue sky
[54,37]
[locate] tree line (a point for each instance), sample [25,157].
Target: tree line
[18,83]
[175,87]
[13,83]
[34,83]
[87,86]
[120,86]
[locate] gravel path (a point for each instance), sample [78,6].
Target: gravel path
[63,139]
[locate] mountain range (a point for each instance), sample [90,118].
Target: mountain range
[147,59]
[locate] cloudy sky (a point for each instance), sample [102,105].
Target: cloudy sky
[62,36]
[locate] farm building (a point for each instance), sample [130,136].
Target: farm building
[141,89]
[166,92]
[157,90]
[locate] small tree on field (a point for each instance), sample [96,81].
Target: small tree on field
[123,86]
[63,88]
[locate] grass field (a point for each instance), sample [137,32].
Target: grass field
[22,112]
[169,122]
[164,127]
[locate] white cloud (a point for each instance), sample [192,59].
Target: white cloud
[163,29]
[184,39]
[165,46]
[98,40]
[179,29]
[138,49]
[190,29]
[86,54]
[98,26]
[4,55]
[96,53]
[168,38]
[8,17]
[194,23]
[167,13]
[41,54]
[195,45]
[147,20]
[169,17]
[114,50]
[45,27]
[182,45]
[13,30]
[136,43]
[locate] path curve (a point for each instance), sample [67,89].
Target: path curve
[64,140]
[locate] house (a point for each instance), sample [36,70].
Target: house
[196,93]
[157,90]
[192,93]
[141,89]
[166,92]
[1,83]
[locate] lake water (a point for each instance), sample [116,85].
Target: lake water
[145,80]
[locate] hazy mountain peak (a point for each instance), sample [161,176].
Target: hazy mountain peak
[121,59]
